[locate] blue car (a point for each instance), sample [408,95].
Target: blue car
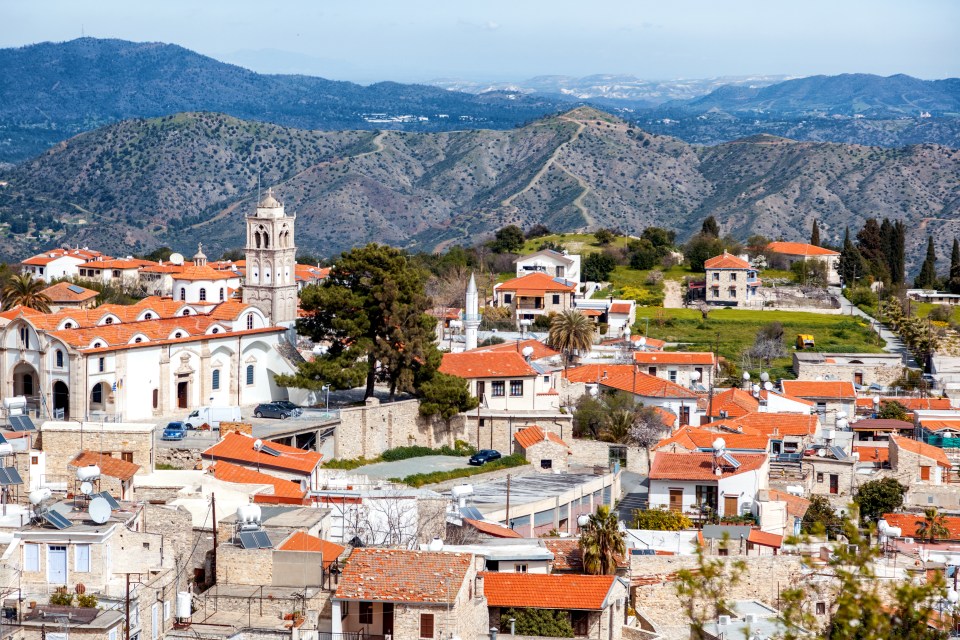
[483,456]
[174,431]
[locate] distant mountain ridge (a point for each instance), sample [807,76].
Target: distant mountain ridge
[173,180]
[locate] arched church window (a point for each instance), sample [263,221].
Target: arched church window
[249,321]
[59,358]
[183,293]
[222,294]
[203,294]
[256,238]
[186,312]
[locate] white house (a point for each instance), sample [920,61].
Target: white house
[723,483]
[553,263]
[57,263]
[686,368]
[504,379]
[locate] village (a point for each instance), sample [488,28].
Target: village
[197,463]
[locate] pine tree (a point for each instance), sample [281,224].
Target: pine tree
[954,282]
[927,278]
[887,246]
[815,234]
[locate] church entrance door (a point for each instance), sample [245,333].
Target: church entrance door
[182,388]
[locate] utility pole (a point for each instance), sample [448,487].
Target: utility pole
[508,502]
[126,606]
[213,508]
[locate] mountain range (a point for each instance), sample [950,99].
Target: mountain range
[52,91]
[173,180]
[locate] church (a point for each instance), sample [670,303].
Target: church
[165,355]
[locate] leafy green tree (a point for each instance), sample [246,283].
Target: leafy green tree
[570,331]
[892,410]
[927,278]
[158,254]
[815,234]
[660,520]
[821,518]
[701,248]
[602,543]
[597,267]
[372,311]
[545,623]
[604,236]
[710,227]
[508,239]
[240,254]
[703,590]
[445,396]
[550,244]
[878,497]
[659,237]
[933,527]
[643,254]
[537,231]
[870,244]
[811,272]
[21,290]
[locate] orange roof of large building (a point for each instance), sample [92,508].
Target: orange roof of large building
[774,424]
[300,541]
[695,438]
[799,249]
[309,273]
[109,466]
[827,389]
[701,466]
[909,522]
[645,385]
[65,292]
[535,283]
[486,364]
[674,358]
[922,449]
[204,272]
[399,575]
[540,350]
[563,591]
[238,447]
[910,404]
[734,403]
[940,424]
[726,261]
[491,529]
[223,470]
[117,263]
[46,258]
[529,436]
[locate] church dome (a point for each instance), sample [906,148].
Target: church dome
[269,202]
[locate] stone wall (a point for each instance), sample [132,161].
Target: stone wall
[179,458]
[942,496]
[244,566]
[370,430]
[174,523]
[884,375]
[588,453]
[547,456]
[61,445]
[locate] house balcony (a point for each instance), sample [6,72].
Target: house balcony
[529,304]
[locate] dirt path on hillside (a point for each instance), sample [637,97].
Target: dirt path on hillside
[672,296]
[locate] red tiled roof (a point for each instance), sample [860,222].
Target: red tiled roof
[55,254]
[300,541]
[668,418]
[592,373]
[536,282]
[829,389]
[911,404]
[878,455]
[562,591]
[766,396]
[309,273]
[223,470]
[591,313]
[693,438]
[922,449]
[908,523]
[204,272]
[673,357]
[796,506]
[799,249]
[238,447]
[64,292]
[734,403]
[645,385]
[881,424]
[700,466]
[726,261]
[532,435]
[486,364]
[109,466]
[399,575]
[765,539]
[491,529]
[939,424]
[540,350]
[619,307]
[117,263]
[774,424]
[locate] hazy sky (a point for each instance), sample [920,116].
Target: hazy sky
[515,39]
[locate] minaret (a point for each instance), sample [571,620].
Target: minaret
[270,283]
[471,314]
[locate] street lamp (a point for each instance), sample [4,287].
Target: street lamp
[326,388]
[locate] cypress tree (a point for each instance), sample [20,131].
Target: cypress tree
[954,282]
[710,227]
[851,262]
[928,271]
[815,234]
[899,272]
[887,242]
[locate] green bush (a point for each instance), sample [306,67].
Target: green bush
[420,479]
[547,623]
[349,463]
[87,601]
[941,313]
[660,520]
[417,451]
[62,598]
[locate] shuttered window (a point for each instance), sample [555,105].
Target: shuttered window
[426,625]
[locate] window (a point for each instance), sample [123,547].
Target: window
[100,364]
[156,398]
[249,374]
[345,609]
[426,625]
[96,396]
[732,291]
[148,316]
[203,294]
[215,331]
[652,371]
[366,613]
[580,622]
[126,456]
[822,409]
[733,276]
[924,473]
[186,312]
[97,345]
[560,272]
[68,325]
[716,293]
[216,379]
[723,551]
[249,321]
[183,293]
[222,294]
[112,634]
[138,340]
[108,321]
[819,476]
[556,298]
[821,608]
[31,557]
[520,568]
[25,337]
[81,558]
[672,374]
[516,388]
[116,273]
[546,464]
[59,358]
[498,388]
[507,298]
[155,621]
[716,276]
[166,610]
[178,335]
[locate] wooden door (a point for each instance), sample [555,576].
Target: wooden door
[834,483]
[924,473]
[481,390]
[676,499]
[730,506]
[182,394]
[684,416]
[858,378]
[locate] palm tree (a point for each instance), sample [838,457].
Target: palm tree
[22,290]
[602,542]
[933,526]
[617,427]
[570,331]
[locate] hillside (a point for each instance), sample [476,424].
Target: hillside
[173,180]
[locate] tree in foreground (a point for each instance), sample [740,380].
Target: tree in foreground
[815,234]
[878,497]
[22,290]
[445,396]
[570,331]
[602,543]
[893,410]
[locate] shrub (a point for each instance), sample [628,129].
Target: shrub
[941,313]
[655,277]
[862,296]
[420,479]
[61,598]
[660,520]
[548,623]
[87,601]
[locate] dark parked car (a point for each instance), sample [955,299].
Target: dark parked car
[272,410]
[289,406]
[483,456]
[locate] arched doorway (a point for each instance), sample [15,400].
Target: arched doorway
[99,397]
[61,399]
[25,381]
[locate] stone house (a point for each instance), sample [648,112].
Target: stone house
[410,594]
[544,450]
[553,263]
[297,560]
[731,281]
[738,540]
[862,369]
[282,461]
[690,439]
[652,391]
[692,483]
[65,295]
[914,462]
[537,294]
[62,442]
[832,474]
[790,252]
[595,605]
[686,368]
[116,475]
[830,397]
[85,623]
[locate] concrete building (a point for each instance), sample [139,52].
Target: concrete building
[695,483]
[831,398]
[862,369]
[731,281]
[790,252]
[685,368]
[552,263]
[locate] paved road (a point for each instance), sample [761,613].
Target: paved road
[404,468]
[892,340]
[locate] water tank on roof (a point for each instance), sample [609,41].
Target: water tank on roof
[88,473]
[6,449]
[39,495]
[248,514]
[461,490]
[184,602]
[14,402]
[436,544]
[527,352]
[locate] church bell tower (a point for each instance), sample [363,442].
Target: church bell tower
[270,283]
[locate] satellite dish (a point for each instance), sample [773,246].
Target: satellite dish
[746,375]
[99,510]
[176,258]
[257,444]
[642,341]
[756,388]
[841,414]
[694,375]
[768,385]
[86,488]
[527,351]
[822,453]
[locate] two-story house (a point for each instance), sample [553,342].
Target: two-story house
[553,263]
[57,263]
[731,281]
[686,368]
[533,295]
[502,379]
[833,399]
[791,252]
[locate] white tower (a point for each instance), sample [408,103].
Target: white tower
[471,315]
[271,254]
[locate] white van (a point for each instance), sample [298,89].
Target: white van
[212,416]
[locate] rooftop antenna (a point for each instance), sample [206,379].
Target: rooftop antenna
[258,186]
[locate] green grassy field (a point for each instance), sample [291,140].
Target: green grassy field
[923,309]
[737,329]
[581,243]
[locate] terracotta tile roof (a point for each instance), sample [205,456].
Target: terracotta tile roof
[301,541]
[486,364]
[445,313]
[591,313]
[881,424]
[878,455]
[908,523]
[726,261]
[204,272]
[491,529]
[939,424]
[799,249]
[700,466]
[310,273]
[775,424]
[765,539]
[238,448]
[796,506]
[734,403]
[399,575]
[64,292]
[532,435]
[922,449]
[540,350]
[592,373]
[117,263]
[828,389]
[619,307]
[645,385]
[694,438]
[55,254]
[562,591]
[568,557]
[536,283]
[223,470]
[109,466]
[673,357]
[652,344]
[912,404]
[668,418]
